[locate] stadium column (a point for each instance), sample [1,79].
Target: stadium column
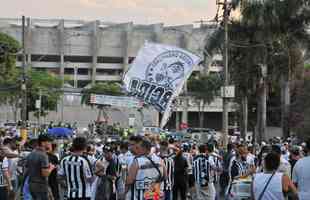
[95,41]
[184,43]
[28,41]
[127,39]
[61,45]
[75,84]
[158,30]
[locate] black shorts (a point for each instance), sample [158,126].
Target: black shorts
[191,180]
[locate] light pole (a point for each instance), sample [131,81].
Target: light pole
[24,85]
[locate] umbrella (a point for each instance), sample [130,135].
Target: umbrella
[60,132]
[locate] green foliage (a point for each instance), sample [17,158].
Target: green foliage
[8,71]
[12,45]
[104,88]
[205,87]
[272,33]
[9,75]
[50,86]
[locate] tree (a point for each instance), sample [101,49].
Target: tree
[285,24]
[204,89]
[49,85]
[9,75]
[268,29]
[103,88]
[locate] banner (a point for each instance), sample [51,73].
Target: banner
[158,74]
[118,101]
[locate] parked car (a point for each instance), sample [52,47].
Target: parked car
[203,135]
[152,130]
[179,136]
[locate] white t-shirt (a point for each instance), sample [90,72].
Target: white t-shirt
[285,167]
[301,176]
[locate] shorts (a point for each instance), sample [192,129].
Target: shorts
[38,191]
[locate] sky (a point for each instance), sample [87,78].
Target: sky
[169,12]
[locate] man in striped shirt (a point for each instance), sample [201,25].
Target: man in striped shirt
[214,170]
[77,171]
[169,164]
[145,173]
[201,169]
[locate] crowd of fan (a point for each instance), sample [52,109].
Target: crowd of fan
[148,167]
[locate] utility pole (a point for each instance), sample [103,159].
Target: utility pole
[24,85]
[226,10]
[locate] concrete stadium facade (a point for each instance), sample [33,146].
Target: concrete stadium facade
[90,51]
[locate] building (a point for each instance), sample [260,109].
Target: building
[90,51]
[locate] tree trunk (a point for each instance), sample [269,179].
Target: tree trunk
[262,112]
[285,108]
[286,100]
[244,116]
[258,121]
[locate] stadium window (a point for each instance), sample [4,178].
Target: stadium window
[115,60]
[78,59]
[45,58]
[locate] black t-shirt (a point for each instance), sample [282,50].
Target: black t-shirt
[52,179]
[112,168]
[35,162]
[180,168]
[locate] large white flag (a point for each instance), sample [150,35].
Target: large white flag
[158,74]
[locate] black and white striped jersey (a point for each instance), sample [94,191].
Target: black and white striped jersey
[238,168]
[76,169]
[201,169]
[216,167]
[169,164]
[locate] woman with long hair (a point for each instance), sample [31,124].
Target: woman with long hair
[271,184]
